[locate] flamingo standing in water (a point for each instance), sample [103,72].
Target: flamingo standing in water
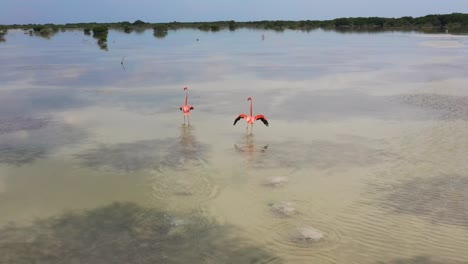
[251,119]
[186,108]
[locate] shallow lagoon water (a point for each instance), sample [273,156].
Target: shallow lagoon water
[367,141]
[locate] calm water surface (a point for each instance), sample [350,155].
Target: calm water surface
[365,159]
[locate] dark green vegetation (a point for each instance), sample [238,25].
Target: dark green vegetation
[452,22]
[3,32]
[45,31]
[160,31]
[126,233]
[100,33]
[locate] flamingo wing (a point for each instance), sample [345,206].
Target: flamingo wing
[180,108]
[239,118]
[262,118]
[191,108]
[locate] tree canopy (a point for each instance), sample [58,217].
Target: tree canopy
[453,22]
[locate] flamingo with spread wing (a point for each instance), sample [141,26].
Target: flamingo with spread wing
[251,118]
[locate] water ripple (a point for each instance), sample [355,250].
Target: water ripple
[146,154]
[127,233]
[441,199]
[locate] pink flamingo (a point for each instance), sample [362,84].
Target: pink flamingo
[186,108]
[251,119]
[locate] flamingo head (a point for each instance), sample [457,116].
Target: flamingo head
[249,99]
[185,88]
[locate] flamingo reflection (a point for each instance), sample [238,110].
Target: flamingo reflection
[251,150]
[190,148]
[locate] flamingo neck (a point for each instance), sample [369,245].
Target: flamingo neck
[251,111]
[186,97]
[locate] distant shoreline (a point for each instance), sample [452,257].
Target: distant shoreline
[456,23]
[452,22]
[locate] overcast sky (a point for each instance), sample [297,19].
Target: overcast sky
[71,11]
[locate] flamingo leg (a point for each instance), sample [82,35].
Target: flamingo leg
[188,122]
[184,119]
[251,129]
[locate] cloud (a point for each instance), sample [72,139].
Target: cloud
[24,146]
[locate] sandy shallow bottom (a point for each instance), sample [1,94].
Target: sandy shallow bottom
[364,160]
